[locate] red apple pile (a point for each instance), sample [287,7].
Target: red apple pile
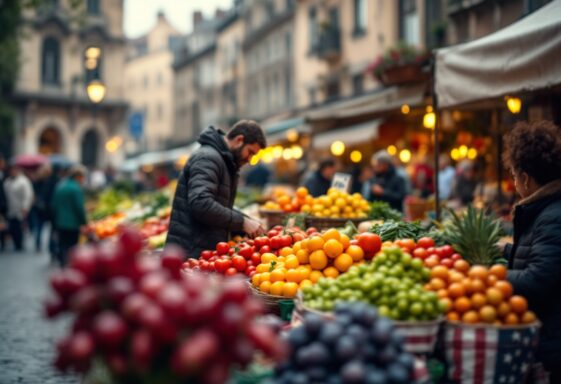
[232,259]
[145,319]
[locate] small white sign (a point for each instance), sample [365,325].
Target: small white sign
[341,182]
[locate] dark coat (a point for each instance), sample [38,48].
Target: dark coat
[316,184]
[534,262]
[202,213]
[394,188]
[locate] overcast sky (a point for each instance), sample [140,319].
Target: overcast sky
[140,15]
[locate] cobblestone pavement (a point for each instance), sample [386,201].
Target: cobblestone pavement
[27,340]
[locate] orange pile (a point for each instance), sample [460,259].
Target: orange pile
[479,295]
[322,255]
[284,202]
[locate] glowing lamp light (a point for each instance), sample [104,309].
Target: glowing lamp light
[277,151]
[91,64]
[297,152]
[429,109]
[287,154]
[392,150]
[113,144]
[429,120]
[254,160]
[514,105]
[463,151]
[292,135]
[405,109]
[268,157]
[96,91]
[455,154]
[93,53]
[405,155]
[472,153]
[356,156]
[337,148]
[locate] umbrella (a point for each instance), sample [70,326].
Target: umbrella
[60,161]
[30,160]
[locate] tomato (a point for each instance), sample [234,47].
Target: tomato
[206,255]
[456,257]
[213,258]
[204,265]
[256,258]
[212,266]
[265,249]
[231,251]
[432,261]
[222,248]
[431,250]
[408,243]
[249,271]
[278,228]
[261,241]
[239,262]
[286,241]
[354,242]
[222,265]
[276,242]
[246,251]
[447,262]
[369,242]
[250,242]
[231,271]
[311,230]
[425,242]
[250,263]
[272,233]
[298,236]
[420,253]
[447,251]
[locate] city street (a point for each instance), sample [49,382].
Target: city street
[27,340]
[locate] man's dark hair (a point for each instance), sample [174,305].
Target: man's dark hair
[326,163]
[251,132]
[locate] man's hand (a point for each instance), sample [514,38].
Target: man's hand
[252,227]
[377,190]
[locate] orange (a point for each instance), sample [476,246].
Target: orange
[461,266]
[518,304]
[277,288]
[302,192]
[453,316]
[511,319]
[499,271]
[286,251]
[503,309]
[315,243]
[456,290]
[265,286]
[267,258]
[477,285]
[277,275]
[478,300]
[296,247]
[436,283]
[280,259]
[291,262]
[343,262]
[331,234]
[306,283]
[442,293]
[283,200]
[303,273]
[528,317]
[302,256]
[462,305]
[494,296]
[333,248]
[318,259]
[440,271]
[304,244]
[466,282]
[505,287]
[315,276]
[470,317]
[345,241]
[355,252]
[447,304]
[255,279]
[478,272]
[265,276]
[290,289]
[263,267]
[455,277]
[488,314]
[331,272]
[491,280]
[293,275]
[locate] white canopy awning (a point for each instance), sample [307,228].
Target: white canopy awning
[160,157]
[524,56]
[352,135]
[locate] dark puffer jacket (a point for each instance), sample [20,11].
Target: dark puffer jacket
[394,188]
[535,264]
[202,213]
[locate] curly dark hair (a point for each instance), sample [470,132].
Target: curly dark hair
[535,148]
[251,132]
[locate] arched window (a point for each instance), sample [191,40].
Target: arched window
[93,7]
[50,61]
[90,148]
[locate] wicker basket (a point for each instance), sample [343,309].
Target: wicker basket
[321,223]
[272,302]
[273,218]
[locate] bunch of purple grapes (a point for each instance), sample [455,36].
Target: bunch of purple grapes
[149,322]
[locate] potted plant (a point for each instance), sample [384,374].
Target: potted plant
[398,65]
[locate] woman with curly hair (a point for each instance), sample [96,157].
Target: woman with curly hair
[533,154]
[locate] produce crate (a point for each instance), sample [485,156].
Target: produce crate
[485,353]
[273,218]
[321,223]
[418,209]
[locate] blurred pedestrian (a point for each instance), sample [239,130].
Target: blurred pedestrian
[57,174]
[19,197]
[466,183]
[402,172]
[39,210]
[258,176]
[361,176]
[386,185]
[446,177]
[98,181]
[69,212]
[422,180]
[319,182]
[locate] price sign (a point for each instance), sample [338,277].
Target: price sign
[341,182]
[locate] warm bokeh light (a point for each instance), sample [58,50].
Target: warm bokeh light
[392,150]
[472,154]
[297,152]
[429,120]
[292,135]
[287,154]
[463,151]
[96,91]
[337,148]
[405,155]
[356,156]
[514,104]
[405,109]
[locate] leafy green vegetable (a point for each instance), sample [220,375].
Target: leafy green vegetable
[393,230]
[380,210]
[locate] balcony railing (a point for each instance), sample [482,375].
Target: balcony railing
[329,44]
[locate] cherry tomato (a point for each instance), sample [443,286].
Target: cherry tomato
[447,262]
[206,255]
[420,253]
[278,228]
[239,262]
[272,233]
[286,241]
[425,242]
[369,242]
[222,265]
[246,251]
[408,243]
[222,248]
[276,242]
[265,249]
[256,258]
[231,251]
[212,266]
[456,257]
[431,250]
[447,251]
[311,230]
[231,271]
[261,241]
[249,271]
[432,261]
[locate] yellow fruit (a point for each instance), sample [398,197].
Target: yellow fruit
[265,287]
[296,246]
[303,272]
[315,243]
[331,234]
[356,252]
[331,272]
[268,257]
[302,256]
[343,262]
[315,276]
[255,279]
[341,202]
[277,288]
[277,275]
[335,210]
[290,289]
[345,241]
[286,251]
[291,262]
[306,208]
[317,208]
[280,259]
[348,209]
[263,267]
[302,192]
[326,213]
[318,259]
[306,283]
[293,275]
[333,248]
[265,276]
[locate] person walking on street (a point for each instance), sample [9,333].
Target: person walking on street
[320,181]
[386,185]
[533,154]
[38,213]
[202,210]
[19,197]
[69,211]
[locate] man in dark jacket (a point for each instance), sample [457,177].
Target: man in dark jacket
[386,185]
[320,181]
[202,212]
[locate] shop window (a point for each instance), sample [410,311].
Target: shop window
[50,62]
[409,22]
[93,7]
[360,17]
[332,90]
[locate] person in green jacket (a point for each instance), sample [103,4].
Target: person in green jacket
[69,212]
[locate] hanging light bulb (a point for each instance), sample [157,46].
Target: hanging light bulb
[514,105]
[356,156]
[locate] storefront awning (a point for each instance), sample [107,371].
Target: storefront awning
[352,135]
[159,157]
[276,132]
